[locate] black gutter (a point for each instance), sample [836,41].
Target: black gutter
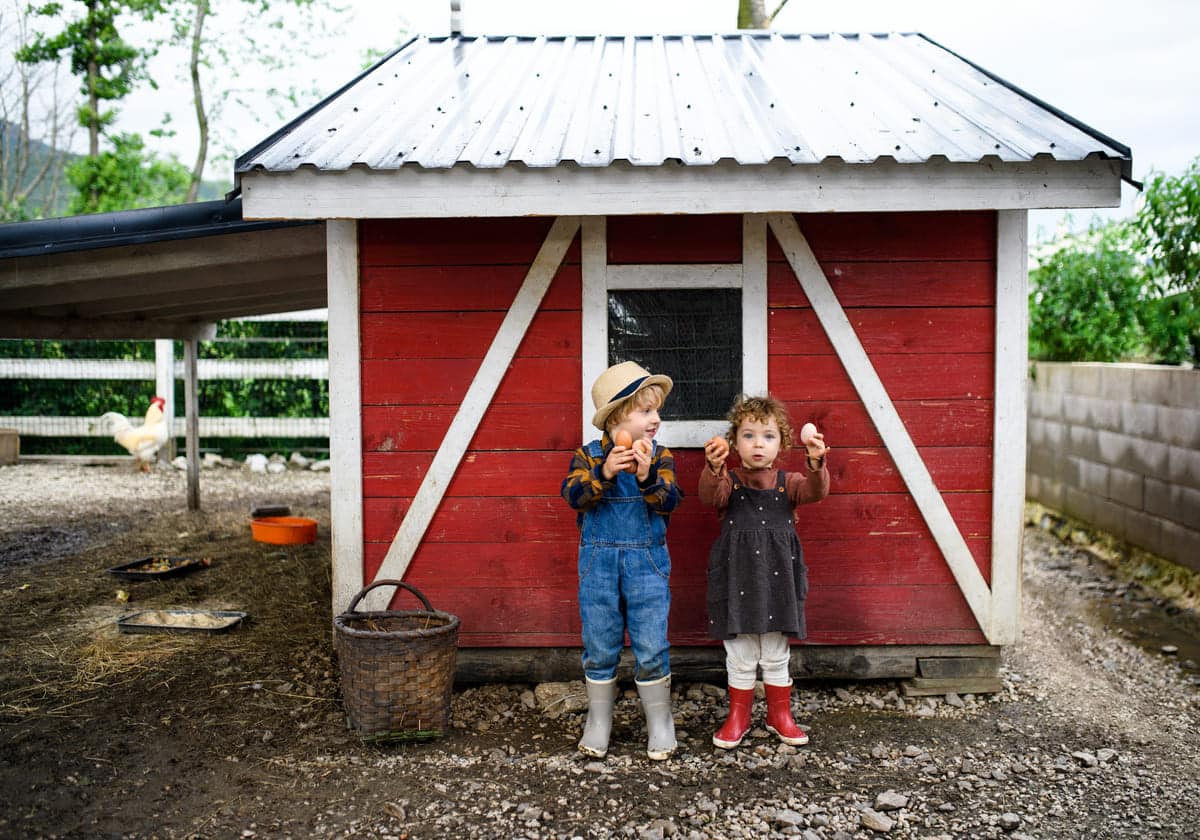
[130,227]
[1125,151]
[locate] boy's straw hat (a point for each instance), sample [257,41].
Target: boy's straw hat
[619,383]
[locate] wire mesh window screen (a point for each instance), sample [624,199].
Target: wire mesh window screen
[693,336]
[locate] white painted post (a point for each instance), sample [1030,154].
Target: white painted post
[754,304]
[345,412]
[1009,418]
[474,404]
[594,341]
[883,414]
[164,386]
[192,409]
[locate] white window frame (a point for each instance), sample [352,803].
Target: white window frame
[599,278]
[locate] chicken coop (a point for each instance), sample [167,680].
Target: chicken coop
[839,220]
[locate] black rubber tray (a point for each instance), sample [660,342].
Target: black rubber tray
[148,568]
[180,621]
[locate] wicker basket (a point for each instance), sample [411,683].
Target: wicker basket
[397,668]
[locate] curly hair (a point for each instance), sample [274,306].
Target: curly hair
[760,409]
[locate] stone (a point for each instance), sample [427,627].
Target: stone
[786,816]
[1085,758]
[876,821]
[557,698]
[889,800]
[1010,821]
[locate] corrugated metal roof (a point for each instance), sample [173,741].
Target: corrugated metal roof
[695,99]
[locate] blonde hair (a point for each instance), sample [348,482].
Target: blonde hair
[652,396]
[760,409]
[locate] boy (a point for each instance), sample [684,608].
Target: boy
[624,494]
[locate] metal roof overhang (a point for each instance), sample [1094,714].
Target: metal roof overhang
[162,272]
[622,188]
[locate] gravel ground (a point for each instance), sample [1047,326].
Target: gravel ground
[1093,736]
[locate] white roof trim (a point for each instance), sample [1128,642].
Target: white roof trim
[728,187]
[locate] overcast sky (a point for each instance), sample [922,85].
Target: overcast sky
[1129,70]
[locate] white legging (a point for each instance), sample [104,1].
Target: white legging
[746,651]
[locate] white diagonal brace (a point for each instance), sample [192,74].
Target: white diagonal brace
[476,401]
[883,414]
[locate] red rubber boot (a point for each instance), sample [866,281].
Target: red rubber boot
[737,724]
[779,715]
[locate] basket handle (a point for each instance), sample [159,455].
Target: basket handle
[399,583]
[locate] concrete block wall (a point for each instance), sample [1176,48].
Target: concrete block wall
[1118,446]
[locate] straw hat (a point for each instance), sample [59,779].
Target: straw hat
[619,383]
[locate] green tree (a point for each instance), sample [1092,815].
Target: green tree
[276,35]
[1085,298]
[35,125]
[1168,234]
[107,65]
[125,178]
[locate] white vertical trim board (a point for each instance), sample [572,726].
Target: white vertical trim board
[1009,418]
[345,412]
[883,414]
[478,397]
[754,304]
[594,341]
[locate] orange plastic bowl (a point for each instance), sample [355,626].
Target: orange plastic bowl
[284,530]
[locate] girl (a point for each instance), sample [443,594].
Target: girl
[757,581]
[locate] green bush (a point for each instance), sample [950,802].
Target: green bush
[1084,299]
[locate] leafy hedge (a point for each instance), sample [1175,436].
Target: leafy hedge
[223,398]
[1125,290]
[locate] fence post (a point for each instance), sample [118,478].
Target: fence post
[192,409]
[164,379]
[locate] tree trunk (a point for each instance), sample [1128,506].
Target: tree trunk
[93,71]
[198,101]
[752,14]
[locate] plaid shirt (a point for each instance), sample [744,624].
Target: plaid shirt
[585,484]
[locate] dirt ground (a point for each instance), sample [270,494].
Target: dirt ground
[242,734]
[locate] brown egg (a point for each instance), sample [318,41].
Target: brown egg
[623,438]
[721,443]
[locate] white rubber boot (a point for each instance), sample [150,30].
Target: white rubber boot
[599,719]
[660,725]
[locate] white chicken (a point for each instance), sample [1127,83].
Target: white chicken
[144,441]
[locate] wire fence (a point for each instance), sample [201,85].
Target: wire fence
[67,394]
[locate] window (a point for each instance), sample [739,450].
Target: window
[692,335]
[704,325]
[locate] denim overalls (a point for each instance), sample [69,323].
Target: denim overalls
[624,572]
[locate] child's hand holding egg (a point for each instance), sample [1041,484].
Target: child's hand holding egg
[624,439]
[715,452]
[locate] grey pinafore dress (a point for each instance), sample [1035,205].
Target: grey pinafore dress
[757,581]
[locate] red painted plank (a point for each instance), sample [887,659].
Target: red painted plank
[869,469]
[889,610]
[550,426]
[441,242]
[674,239]
[909,376]
[495,564]
[469,520]
[546,518]
[930,284]
[965,422]
[445,381]
[458,288]
[479,473]
[894,330]
[859,237]
[467,335]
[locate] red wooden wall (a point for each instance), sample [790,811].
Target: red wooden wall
[500,552]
